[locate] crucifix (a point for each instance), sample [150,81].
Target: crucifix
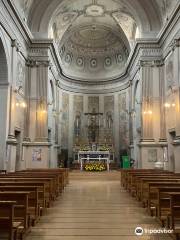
[93,125]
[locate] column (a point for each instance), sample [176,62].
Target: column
[71,126]
[147,101]
[116,126]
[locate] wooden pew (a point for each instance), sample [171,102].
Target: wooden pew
[132,175]
[142,186]
[20,208]
[160,193]
[8,224]
[57,178]
[41,186]
[137,181]
[41,193]
[49,189]
[64,171]
[33,203]
[162,204]
[174,215]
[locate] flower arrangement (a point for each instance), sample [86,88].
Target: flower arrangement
[104,148]
[84,148]
[95,166]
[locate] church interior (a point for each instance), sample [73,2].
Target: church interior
[89,119]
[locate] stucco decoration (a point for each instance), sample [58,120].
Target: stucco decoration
[65,120]
[24,7]
[123,122]
[93,104]
[68,58]
[96,34]
[93,49]
[93,63]
[61,23]
[20,77]
[107,62]
[80,62]
[94,10]
[166,7]
[169,72]
[127,23]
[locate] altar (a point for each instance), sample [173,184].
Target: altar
[87,156]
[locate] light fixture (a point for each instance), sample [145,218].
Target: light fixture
[167,105]
[21,104]
[149,112]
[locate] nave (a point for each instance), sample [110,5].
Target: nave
[95,207]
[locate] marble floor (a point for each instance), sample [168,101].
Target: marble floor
[95,207]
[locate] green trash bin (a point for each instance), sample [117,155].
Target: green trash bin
[125,162]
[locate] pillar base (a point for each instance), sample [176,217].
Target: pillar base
[36,154]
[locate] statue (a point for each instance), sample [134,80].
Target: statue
[77,125]
[109,120]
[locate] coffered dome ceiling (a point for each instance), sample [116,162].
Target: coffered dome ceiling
[92,44]
[95,37]
[93,52]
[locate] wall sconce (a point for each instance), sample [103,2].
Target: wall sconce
[42,106]
[149,112]
[21,104]
[168,105]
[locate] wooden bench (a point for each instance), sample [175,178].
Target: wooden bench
[174,215]
[8,224]
[20,208]
[159,191]
[63,171]
[143,184]
[137,181]
[33,202]
[31,190]
[49,189]
[41,192]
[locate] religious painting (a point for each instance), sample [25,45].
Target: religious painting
[37,154]
[152,155]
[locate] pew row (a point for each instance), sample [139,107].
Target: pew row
[159,193]
[28,194]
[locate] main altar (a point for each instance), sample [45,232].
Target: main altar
[98,144]
[87,156]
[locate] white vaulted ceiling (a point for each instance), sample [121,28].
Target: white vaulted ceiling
[95,37]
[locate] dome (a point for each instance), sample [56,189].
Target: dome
[92,52]
[92,42]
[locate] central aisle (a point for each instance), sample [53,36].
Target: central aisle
[94,207]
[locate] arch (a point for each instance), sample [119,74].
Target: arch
[147,18]
[4,102]
[3,64]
